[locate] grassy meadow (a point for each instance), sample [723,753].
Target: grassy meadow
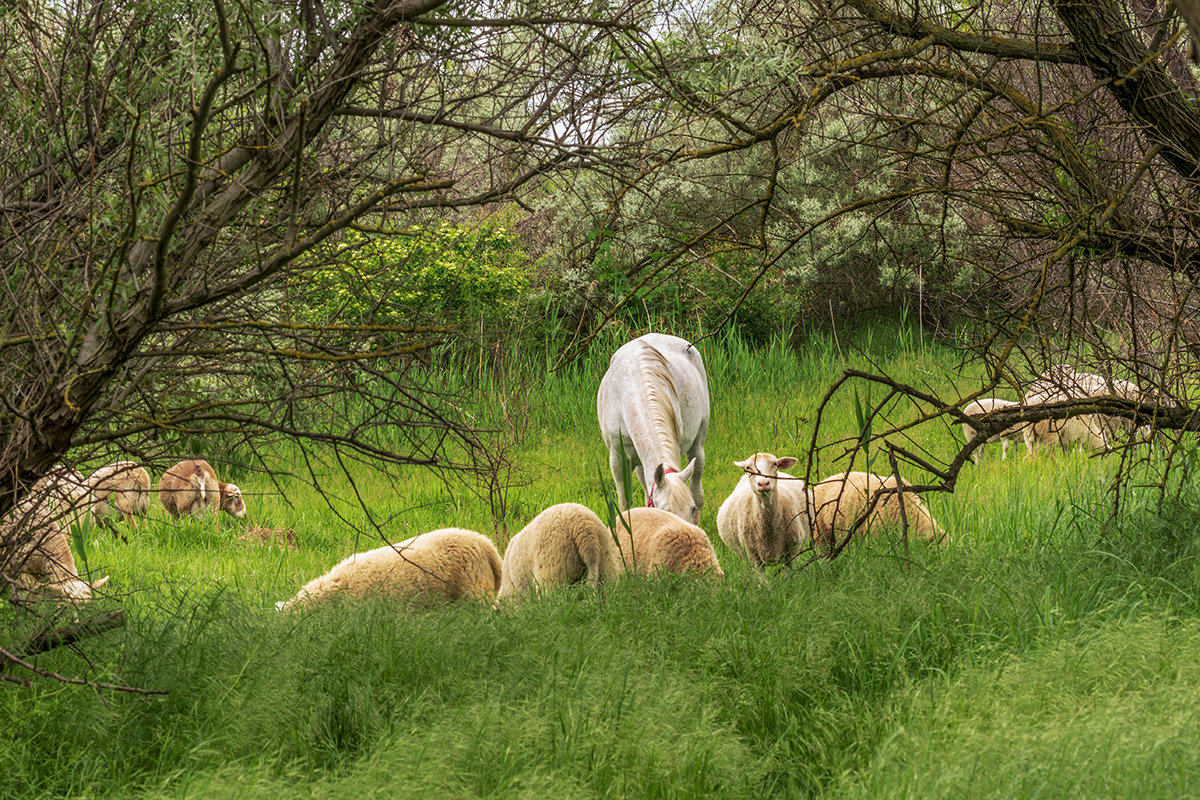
[1046,651]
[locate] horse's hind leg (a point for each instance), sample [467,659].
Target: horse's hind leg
[614,464]
[697,452]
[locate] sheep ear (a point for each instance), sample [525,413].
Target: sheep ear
[742,464]
[787,462]
[658,474]
[101,582]
[686,473]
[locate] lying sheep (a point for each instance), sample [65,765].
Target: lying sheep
[842,499]
[66,493]
[39,549]
[1094,432]
[977,408]
[564,544]
[767,518]
[662,541]
[191,487]
[446,564]
[121,489]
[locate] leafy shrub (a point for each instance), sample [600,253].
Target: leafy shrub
[770,309]
[455,272]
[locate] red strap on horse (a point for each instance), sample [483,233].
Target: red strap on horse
[650,494]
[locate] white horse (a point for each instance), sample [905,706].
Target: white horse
[653,403]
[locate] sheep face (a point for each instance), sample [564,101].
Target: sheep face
[671,490]
[763,471]
[232,501]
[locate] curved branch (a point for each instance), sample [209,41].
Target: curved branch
[916,28]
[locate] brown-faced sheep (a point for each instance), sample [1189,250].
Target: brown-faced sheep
[38,549]
[662,542]
[567,543]
[120,489]
[446,564]
[842,499]
[767,518]
[191,487]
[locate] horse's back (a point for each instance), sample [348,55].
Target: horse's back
[645,364]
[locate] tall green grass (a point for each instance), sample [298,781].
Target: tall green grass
[1043,651]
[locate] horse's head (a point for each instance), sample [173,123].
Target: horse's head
[671,491]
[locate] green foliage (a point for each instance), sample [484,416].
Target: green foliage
[795,202]
[81,530]
[449,272]
[1039,651]
[717,293]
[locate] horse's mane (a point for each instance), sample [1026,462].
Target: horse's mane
[662,398]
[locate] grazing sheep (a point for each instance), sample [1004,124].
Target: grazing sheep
[34,546]
[662,541]
[191,487]
[232,501]
[564,544]
[1086,431]
[842,499]
[767,518]
[121,489]
[446,564]
[977,408]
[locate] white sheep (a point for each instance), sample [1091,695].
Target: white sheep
[767,518]
[1086,431]
[662,542]
[120,489]
[977,408]
[446,564]
[38,549]
[567,543]
[191,487]
[842,499]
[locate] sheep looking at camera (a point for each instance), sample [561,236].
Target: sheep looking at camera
[662,542]
[120,489]
[843,499]
[767,518]
[567,543]
[446,564]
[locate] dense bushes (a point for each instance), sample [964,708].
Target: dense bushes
[447,272]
